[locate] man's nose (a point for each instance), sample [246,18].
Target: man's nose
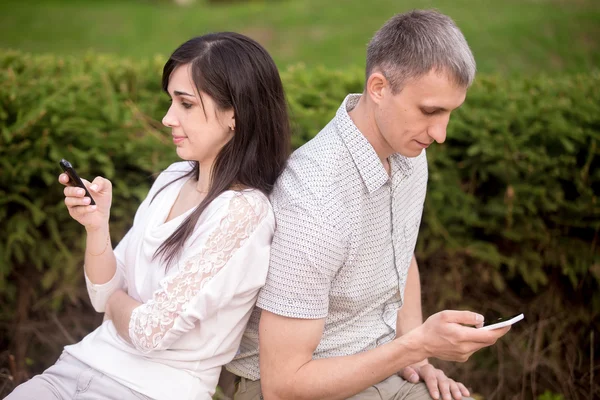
[438,132]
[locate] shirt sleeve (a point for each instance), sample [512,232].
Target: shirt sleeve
[172,311]
[306,253]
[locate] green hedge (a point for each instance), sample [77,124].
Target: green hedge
[512,205]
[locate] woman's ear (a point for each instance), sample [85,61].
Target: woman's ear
[228,119]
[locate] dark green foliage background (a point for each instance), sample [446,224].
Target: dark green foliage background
[511,220]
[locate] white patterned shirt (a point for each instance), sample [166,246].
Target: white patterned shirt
[344,238]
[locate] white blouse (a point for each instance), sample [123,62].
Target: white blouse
[193,315]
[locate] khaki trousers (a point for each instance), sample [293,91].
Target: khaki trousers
[392,388]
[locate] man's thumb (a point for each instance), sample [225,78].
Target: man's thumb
[410,375]
[462,317]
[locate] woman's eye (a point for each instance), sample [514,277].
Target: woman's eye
[186,105]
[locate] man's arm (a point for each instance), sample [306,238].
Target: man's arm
[410,315]
[287,346]
[286,364]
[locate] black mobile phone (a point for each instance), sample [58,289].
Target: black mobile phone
[74,179]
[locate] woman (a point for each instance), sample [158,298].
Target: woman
[179,288]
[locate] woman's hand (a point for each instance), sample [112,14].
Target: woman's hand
[91,217]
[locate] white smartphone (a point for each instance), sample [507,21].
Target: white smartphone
[501,322]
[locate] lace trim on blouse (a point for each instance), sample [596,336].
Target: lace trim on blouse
[151,321]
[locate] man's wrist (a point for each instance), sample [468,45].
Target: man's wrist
[421,363]
[415,345]
[411,348]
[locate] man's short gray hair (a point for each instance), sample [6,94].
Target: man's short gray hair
[410,45]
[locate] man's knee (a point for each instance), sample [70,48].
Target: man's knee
[245,389]
[418,391]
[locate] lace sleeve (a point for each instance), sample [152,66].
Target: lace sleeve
[150,323]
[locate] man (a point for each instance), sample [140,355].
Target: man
[340,315]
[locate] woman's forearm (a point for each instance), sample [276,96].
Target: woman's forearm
[100,261]
[119,307]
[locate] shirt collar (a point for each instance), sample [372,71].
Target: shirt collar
[365,158]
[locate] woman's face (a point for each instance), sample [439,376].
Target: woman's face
[199,129]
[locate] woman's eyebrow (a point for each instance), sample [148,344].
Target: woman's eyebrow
[178,93]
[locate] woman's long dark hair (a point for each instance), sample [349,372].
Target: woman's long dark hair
[239,74]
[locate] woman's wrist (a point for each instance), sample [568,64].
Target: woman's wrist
[98,240]
[97,230]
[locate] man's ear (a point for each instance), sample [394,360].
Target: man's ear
[376,86]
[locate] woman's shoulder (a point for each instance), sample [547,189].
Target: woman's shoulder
[246,203]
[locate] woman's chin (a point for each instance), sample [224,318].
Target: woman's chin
[184,155]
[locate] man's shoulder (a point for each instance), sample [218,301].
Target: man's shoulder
[310,173]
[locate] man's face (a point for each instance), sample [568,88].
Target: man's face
[410,120]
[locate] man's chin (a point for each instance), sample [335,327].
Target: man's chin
[411,153]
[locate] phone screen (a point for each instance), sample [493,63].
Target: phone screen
[498,320]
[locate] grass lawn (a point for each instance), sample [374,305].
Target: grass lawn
[507,36]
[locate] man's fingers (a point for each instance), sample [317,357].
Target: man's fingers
[463,389]
[443,384]
[454,390]
[432,385]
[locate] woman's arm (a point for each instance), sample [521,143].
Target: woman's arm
[118,309]
[100,262]
[184,298]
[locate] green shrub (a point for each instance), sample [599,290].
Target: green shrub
[512,208]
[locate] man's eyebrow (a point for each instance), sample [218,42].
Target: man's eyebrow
[178,93]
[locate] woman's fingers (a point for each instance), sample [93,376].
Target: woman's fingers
[97,184]
[63,179]
[77,201]
[81,210]
[72,191]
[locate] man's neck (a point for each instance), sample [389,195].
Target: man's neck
[363,117]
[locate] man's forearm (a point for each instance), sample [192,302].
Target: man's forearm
[410,315]
[343,377]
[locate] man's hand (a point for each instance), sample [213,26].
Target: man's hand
[436,380]
[450,335]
